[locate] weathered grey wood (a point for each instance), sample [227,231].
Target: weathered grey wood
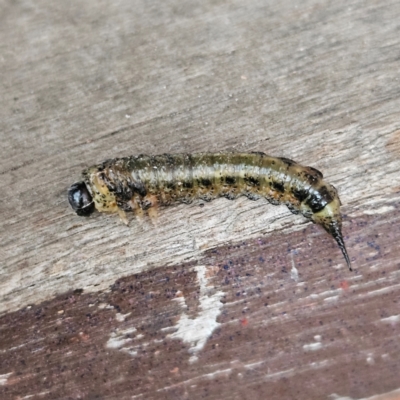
[317,82]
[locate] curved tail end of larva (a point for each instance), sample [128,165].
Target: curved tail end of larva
[330,218]
[333,227]
[336,232]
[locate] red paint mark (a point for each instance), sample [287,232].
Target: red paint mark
[244,322]
[344,285]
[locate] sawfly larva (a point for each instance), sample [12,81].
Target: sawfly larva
[140,182]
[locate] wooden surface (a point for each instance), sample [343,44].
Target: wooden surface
[232,300]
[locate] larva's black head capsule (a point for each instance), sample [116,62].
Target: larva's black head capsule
[80,199]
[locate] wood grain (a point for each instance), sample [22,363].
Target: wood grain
[316,81]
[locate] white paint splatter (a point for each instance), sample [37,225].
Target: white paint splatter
[392,319]
[193,331]
[196,331]
[312,346]
[320,364]
[121,317]
[294,273]
[370,359]
[120,338]
[105,306]
[4,378]
[35,395]
[332,298]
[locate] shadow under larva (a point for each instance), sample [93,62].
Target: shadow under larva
[143,182]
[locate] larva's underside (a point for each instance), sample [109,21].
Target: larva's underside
[140,182]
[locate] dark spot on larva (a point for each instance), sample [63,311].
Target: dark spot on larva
[188,184]
[287,161]
[170,185]
[230,196]
[206,197]
[124,206]
[170,160]
[312,175]
[292,209]
[186,200]
[259,153]
[312,179]
[314,203]
[252,181]
[300,194]
[325,194]
[138,187]
[319,199]
[230,180]
[107,162]
[205,182]
[273,201]
[146,204]
[102,176]
[318,173]
[278,186]
[252,196]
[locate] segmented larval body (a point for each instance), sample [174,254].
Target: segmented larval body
[140,182]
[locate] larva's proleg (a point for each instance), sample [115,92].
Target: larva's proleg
[129,183]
